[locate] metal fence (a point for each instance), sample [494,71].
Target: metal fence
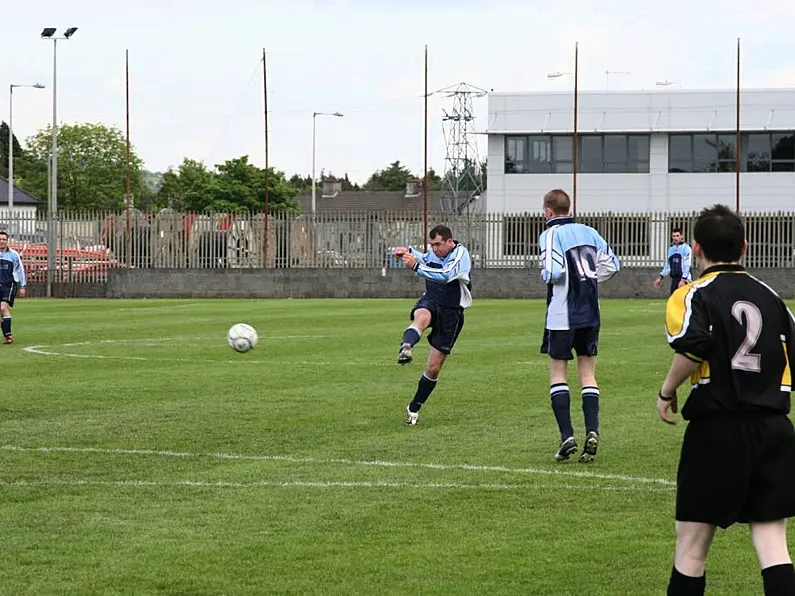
[89,244]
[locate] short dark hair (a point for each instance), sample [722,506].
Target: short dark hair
[558,201]
[676,231]
[721,234]
[4,233]
[442,231]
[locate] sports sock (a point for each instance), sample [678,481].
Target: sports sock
[6,325]
[424,388]
[561,401]
[590,408]
[685,585]
[779,580]
[411,336]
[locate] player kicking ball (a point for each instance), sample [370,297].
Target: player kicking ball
[446,269]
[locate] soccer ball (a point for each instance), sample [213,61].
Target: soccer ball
[242,337]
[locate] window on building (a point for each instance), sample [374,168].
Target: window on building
[756,148]
[564,153]
[638,153]
[717,152]
[597,153]
[541,161]
[590,154]
[515,155]
[782,152]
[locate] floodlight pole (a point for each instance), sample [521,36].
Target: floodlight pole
[52,210]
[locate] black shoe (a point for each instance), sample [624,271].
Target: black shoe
[566,449]
[589,451]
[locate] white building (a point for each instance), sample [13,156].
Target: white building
[642,151]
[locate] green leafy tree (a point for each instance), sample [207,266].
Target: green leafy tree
[92,171]
[4,152]
[235,185]
[393,178]
[434,180]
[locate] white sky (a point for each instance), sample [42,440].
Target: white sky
[196,76]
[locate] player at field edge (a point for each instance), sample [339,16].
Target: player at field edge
[12,283]
[575,259]
[446,269]
[733,338]
[678,262]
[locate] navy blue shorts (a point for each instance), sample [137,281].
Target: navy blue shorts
[446,324]
[8,293]
[559,343]
[675,284]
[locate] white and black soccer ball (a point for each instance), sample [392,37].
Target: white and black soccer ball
[242,337]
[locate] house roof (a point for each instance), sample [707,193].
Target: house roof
[21,197]
[366,200]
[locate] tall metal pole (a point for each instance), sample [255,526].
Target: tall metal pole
[53,206]
[738,148]
[267,164]
[11,152]
[128,199]
[425,166]
[575,139]
[314,190]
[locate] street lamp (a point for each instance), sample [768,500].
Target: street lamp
[557,75]
[314,129]
[11,148]
[609,72]
[48,33]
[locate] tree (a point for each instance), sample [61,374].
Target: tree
[4,151]
[235,185]
[434,180]
[347,185]
[91,167]
[393,178]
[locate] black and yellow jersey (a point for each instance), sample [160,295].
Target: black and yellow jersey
[743,337]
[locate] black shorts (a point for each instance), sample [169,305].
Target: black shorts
[736,470]
[559,343]
[8,293]
[675,284]
[446,324]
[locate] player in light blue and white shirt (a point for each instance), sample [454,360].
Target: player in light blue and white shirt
[446,269]
[12,281]
[575,259]
[678,263]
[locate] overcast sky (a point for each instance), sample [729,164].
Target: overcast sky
[196,74]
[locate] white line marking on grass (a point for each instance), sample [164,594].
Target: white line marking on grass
[319,484]
[47,350]
[349,462]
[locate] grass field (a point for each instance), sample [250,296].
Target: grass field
[140,455]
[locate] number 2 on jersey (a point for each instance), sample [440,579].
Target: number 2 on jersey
[748,315]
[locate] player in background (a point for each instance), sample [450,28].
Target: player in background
[678,262]
[446,269]
[574,260]
[734,339]
[12,283]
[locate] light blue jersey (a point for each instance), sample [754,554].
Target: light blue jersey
[574,260]
[447,281]
[11,268]
[678,262]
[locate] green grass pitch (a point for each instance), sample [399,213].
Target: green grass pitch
[140,455]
